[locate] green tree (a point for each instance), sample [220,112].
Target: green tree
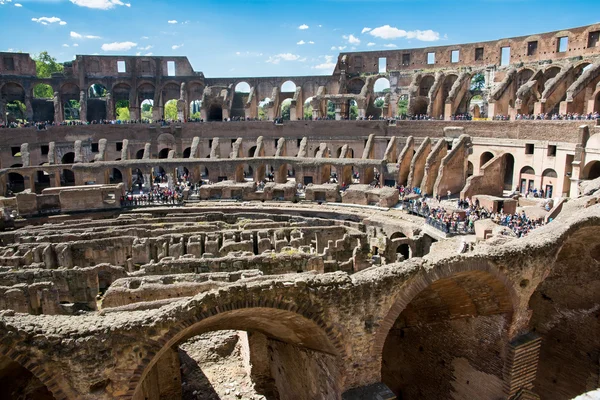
[379,102]
[330,110]
[308,111]
[402,107]
[478,82]
[146,107]
[45,66]
[122,107]
[353,111]
[171,110]
[285,111]
[97,91]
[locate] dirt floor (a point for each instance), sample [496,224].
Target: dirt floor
[212,368]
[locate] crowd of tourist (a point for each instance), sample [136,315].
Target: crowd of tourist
[550,117]
[462,220]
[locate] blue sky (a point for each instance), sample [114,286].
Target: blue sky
[268,37]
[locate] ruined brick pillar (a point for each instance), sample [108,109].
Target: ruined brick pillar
[257,362]
[110,108]
[28,109]
[520,367]
[163,381]
[83,106]
[58,108]
[3,116]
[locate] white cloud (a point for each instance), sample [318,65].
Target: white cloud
[48,20]
[370,44]
[285,57]
[76,45]
[3,2]
[320,26]
[65,45]
[118,46]
[353,39]
[327,65]
[18,5]
[148,54]
[145,48]
[172,21]
[390,32]
[365,29]
[340,48]
[303,27]
[144,38]
[301,42]
[177,46]
[311,42]
[390,45]
[100,4]
[76,35]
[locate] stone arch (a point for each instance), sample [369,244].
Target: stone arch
[288,86]
[41,181]
[405,250]
[471,295]
[115,176]
[355,85]
[591,170]
[187,152]
[425,85]
[164,153]
[51,379]
[397,235]
[485,158]
[16,182]
[425,278]
[381,85]
[293,322]
[215,112]
[68,158]
[523,76]
[242,87]
[563,315]
[139,154]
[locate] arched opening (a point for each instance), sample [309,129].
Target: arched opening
[15,183]
[484,159]
[354,86]
[330,109]
[263,108]
[170,110]
[285,356]
[509,171]
[43,102]
[69,94]
[146,109]
[14,95]
[352,108]
[68,158]
[285,109]
[439,338]
[469,169]
[251,151]
[381,86]
[115,176]
[183,175]
[215,112]
[308,109]
[137,179]
[139,154]
[597,103]
[527,179]
[591,170]
[195,109]
[187,152]
[565,315]
[288,87]
[67,178]
[96,103]
[120,95]
[425,85]
[42,181]
[549,179]
[397,235]
[164,153]
[240,98]
[17,382]
[403,252]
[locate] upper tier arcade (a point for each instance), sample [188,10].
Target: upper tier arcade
[548,73]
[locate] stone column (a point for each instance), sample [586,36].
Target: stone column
[58,108]
[56,179]
[157,108]
[3,119]
[83,106]
[134,109]
[520,367]
[110,107]
[257,362]
[28,109]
